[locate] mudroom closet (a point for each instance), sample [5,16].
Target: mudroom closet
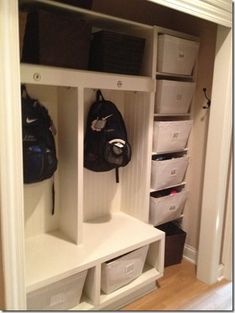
[104,246]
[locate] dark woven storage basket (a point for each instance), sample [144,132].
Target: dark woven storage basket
[56,39]
[174,244]
[116,53]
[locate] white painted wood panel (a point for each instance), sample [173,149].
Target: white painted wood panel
[38,196]
[217,160]
[68,163]
[91,290]
[102,195]
[227,249]
[52,76]
[11,172]
[136,175]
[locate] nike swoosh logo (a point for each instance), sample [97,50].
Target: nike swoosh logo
[106,117]
[29,120]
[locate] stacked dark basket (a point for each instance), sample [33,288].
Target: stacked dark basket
[61,38]
[116,53]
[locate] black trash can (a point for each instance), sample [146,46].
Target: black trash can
[174,245]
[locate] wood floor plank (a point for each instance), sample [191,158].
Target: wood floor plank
[179,289]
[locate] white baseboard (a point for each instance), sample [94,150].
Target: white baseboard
[220,272]
[190,254]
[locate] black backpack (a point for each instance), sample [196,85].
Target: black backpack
[39,152]
[106,145]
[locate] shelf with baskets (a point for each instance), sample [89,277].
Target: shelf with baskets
[175,88]
[98,42]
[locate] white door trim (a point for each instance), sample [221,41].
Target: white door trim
[228,230]
[217,161]
[11,176]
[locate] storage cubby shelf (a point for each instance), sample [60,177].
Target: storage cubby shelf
[149,275]
[174,76]
[169,152]
[171,114]
[172,186]
[53,76]
[51,257]
[95,18]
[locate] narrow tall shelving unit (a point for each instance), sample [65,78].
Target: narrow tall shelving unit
[184,116]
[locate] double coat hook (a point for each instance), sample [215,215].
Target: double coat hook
[208,104]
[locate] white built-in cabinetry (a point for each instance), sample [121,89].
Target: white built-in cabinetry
[95,218]
[176,79]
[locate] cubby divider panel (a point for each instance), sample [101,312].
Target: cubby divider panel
[62,105]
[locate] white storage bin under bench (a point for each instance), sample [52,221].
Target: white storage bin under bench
[167,208]
[176,55]
[171,136]
[173,96]
[166,173]
[122,270]
[62,295]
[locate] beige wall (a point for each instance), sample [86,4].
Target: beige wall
[149,13]
[136,10]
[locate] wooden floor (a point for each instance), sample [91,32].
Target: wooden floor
[180,290]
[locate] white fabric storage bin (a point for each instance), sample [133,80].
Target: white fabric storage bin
[167,173]
[176,55]
[171,136]
[166,209]
[173,96]
[62,295]
[122,270]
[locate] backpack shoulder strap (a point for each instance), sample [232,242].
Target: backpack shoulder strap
[99,96]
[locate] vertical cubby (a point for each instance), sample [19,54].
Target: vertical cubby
[129,195]
[62,105]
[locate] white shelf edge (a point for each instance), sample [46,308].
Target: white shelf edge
[47,247]
[89,15]
[175,219]
[169,152]
[64,77]
[149,275]
[188,77]
[171,114]
[172,186]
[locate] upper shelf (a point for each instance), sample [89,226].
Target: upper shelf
[50,257]
[178,77]
[54,76]
[96,19]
